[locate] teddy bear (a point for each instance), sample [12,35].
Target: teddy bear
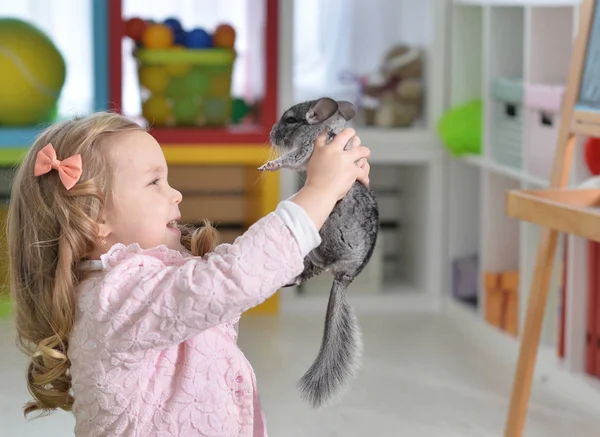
[393,97]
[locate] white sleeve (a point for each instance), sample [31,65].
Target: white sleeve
[300,224]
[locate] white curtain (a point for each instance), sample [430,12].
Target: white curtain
[332,39]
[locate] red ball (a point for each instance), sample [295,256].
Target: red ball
[134,28]
[224,36]
[592,155]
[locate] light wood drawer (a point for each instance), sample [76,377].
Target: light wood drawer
[208,179]
[218,209]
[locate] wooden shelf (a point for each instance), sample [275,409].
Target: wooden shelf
[243,134]
[573,211]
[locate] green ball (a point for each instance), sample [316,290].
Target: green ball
[197,83]
[177,88]
[186,111]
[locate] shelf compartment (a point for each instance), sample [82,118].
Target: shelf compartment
[573,211]
[551,31]
[467,54]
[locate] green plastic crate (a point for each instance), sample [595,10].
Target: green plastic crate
[186,87]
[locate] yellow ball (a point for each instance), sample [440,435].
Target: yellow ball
[158,36]
[32,74]
[177,69]
[157,110]
[154,77]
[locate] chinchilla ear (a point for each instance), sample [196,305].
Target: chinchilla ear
[322,110]
[346,109]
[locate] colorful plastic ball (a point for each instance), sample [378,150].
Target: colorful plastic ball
[224,36]
[592,155]
[180,37]
[135,27]
[185,111]
[154,77]
[220,86]
[173,23]
[177,69]
[158,36]
[177,88]
[156,110]
[198,39]
[197,83]
[215,111]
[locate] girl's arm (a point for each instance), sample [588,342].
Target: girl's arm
[170,302]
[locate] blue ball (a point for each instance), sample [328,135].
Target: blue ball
[174,24]
[198,39]
[180,37]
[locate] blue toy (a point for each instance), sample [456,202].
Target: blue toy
[180,37]
[198,39]
[173,23]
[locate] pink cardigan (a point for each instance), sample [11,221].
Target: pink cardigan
[153,348]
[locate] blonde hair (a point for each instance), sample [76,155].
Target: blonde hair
[49,230]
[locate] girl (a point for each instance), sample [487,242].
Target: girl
[124,326]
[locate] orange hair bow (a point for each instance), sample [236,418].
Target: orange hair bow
[69,170]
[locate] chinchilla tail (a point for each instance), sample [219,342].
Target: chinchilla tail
[340,352]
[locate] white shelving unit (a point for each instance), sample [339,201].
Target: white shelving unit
[532,41]
[413,155]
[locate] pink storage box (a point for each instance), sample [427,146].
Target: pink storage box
[543,105]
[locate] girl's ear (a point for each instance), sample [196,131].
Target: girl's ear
[104,228]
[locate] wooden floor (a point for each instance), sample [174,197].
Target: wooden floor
[423,375]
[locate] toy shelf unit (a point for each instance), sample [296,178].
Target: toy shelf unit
[197,73]
[392,75]
[511,58]
[55,71]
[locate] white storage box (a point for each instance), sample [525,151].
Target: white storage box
[507,121]
[542,105]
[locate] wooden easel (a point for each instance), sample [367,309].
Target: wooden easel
[559,209]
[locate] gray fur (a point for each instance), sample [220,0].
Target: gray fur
[348,239]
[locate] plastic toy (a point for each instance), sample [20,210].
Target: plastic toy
[134,28]
[158,36]
[460,129]
[33,74]
[198,39]
[178,32]
[186,78]
[154,77]
[173,23]
[156,110]
[224,36]
[397,89]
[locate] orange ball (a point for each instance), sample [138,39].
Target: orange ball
[224,36]
[158,36]
[134,28]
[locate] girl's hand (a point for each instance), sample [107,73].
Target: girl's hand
[332,169]
[330,173]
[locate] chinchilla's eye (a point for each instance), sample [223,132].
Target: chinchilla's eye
[290,119]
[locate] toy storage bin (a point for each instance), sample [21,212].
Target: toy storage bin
[542,106]
[185,87]
[507,121]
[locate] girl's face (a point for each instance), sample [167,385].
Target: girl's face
[142,208]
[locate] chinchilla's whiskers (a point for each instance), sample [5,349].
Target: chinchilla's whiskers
[273,154]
